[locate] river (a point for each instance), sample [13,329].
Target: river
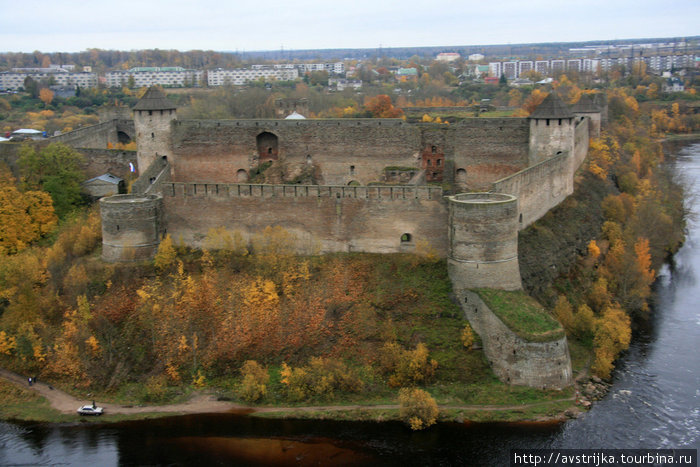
[654,403]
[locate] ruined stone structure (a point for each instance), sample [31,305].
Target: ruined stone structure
[542,365]
[367,192]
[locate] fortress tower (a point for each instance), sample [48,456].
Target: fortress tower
[483,241]
[152,116]
[131,227]
[552,129]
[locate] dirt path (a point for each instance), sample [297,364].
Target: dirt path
[207,403]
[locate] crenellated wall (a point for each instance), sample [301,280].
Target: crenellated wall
[323,218]
[542,186]
[347,150]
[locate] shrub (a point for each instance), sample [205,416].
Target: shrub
[409,367]
[417,408]
[255,378]
[467,336]
[320,378]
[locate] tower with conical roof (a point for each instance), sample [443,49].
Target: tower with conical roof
[552,129]
[588,107]
[153,114]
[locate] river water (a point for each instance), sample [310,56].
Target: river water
[653,403]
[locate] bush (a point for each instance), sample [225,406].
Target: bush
[320,378]
[254,385]
[417,408]
[409,367]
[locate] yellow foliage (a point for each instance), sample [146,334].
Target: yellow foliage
[409,366]
[94,346]
[417,408]
[564,313]
[166,255]
[593,249]
[38,353]
[172,373]
[584,322]
[467,336]
[254,384]
[7,343]
[612,336]
[24,217]
[198,380]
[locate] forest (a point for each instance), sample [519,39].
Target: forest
[256,323]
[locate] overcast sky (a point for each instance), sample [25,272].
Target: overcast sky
[76,25]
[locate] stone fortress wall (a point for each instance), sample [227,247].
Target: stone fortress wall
[542,365]
[203,167]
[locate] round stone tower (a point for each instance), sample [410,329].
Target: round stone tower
[131,227]
[483,241]
[552,129]
[153,114]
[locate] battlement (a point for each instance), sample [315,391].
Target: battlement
[344,123]
[274,123]
[250,190]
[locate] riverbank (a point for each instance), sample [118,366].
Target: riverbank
[41,402]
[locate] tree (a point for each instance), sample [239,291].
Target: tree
[24,216]
[56,169]
[417,408]
[381,107]
[46,95]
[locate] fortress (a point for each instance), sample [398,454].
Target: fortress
[370,185]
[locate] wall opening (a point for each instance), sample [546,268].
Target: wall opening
[461,176]
[268,146]
[406,238]
[241,176]
[308,159]
[352,170]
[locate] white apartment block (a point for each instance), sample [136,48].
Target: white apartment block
[510,69]
[542,67]
[656,63]
[241,76]
[524,67]
[149,76]
[14,80]
[336,68]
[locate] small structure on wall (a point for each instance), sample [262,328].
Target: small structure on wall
[104,185]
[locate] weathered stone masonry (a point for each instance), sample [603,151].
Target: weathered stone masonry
[527,164]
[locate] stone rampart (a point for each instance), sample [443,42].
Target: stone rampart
[543,365]
[539,188]
[542,186]
[323,218]
[348,150]
[93,136]
[581,142]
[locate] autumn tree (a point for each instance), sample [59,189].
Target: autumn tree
[24,216]
[612,336]
[254,384]
[381,107]
[417,408]
[56,169]
[46,96]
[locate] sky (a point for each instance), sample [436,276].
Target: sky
[77,25]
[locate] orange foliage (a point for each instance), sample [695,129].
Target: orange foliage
[381,107]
